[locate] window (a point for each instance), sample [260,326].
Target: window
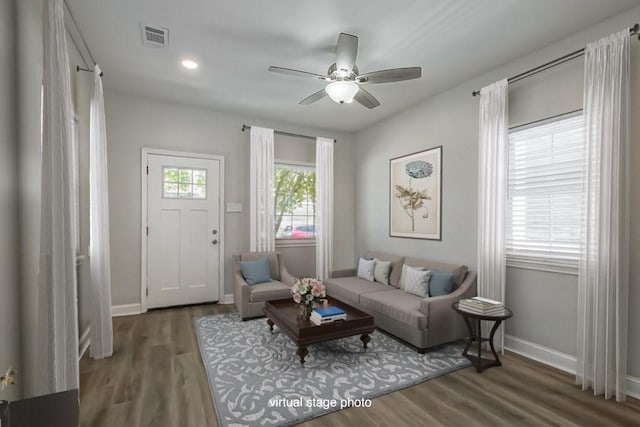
[544,195]
[183,183]
[295,201]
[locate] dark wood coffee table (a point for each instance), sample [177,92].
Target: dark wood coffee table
[286,314]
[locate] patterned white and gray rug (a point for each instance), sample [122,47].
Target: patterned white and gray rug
[256,380]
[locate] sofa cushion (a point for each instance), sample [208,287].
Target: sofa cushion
[366,268]
[396,265]
[269,291]
[440,284]
[459,271]
[397,305]
[255,272]
[381,272]
[272,257]
[351,288]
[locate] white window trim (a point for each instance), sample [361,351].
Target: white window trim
[542,263]
[295,243]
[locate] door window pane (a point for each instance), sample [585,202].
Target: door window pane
[184,183]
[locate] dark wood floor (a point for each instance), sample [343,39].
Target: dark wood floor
[156,378]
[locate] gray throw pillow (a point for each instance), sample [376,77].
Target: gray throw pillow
[382,271]
[366,268]
[415,281]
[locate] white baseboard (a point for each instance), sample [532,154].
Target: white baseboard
[85,340]
[125,310]
[564,362]
[633,386]
[227,299]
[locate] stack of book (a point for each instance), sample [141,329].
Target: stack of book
[324,315]
[481,305]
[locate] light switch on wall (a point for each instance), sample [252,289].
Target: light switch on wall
[234,207]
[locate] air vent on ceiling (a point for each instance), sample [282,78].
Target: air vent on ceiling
[155,36]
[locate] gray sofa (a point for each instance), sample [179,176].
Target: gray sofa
[250,299]
[423,322]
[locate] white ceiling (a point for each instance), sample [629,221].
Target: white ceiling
[235,41]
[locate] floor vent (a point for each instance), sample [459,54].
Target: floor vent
[155,36]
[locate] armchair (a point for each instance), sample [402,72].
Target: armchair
[250,299]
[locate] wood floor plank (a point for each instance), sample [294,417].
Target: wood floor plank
[156,378]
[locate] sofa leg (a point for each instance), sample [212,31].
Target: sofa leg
[422,350]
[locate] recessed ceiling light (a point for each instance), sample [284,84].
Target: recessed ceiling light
[190,64]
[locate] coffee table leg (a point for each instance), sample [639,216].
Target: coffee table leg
[302,353]
[365,338]
[270,323]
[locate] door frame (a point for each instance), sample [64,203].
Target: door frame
[144,179]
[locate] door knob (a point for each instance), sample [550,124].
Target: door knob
[214,242]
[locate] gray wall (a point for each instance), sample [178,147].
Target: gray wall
[544,303]
[9,243]
[134,122]
[29,70]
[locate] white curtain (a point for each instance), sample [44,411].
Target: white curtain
[492,172]
[603,280]
[57,310]
[99,250]
[262,215]
[324,207]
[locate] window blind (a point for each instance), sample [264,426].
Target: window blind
[544,195]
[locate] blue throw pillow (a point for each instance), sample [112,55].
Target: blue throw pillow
[440,284]
[255,272]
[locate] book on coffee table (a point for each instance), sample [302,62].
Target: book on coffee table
[330,310]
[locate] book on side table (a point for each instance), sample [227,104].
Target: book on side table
[323,315]
[481,305]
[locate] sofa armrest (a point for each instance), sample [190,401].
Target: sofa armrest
[285,276]
[349,272]
[445,325]
[241,289]
[467,289]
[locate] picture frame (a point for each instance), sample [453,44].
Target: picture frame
[415,195]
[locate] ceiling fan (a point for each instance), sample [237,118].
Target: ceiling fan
[344,78]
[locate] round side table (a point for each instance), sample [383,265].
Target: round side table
[482,363]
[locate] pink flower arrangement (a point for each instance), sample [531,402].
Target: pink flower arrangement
[307,292]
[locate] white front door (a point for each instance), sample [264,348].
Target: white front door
[183,235]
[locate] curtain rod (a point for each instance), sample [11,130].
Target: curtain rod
[79,68]
[561,60]
[245,127]
[84,41]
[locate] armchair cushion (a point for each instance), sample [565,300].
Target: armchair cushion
[255,272]
[263,292]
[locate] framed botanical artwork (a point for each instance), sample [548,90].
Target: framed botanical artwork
[415,195]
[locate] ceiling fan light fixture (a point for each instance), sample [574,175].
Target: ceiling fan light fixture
[189,64]
[342,91]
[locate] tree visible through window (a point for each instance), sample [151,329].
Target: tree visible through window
[294,201]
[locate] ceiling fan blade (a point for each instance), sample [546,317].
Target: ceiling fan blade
[346,52]
[393,75]
[297,73]
[366,99]
[314,97]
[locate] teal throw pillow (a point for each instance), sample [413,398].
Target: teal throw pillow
[440,284]
[255,272]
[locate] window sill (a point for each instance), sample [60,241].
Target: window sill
[295,243]
[551,265]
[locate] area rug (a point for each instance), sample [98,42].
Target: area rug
[256,380]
